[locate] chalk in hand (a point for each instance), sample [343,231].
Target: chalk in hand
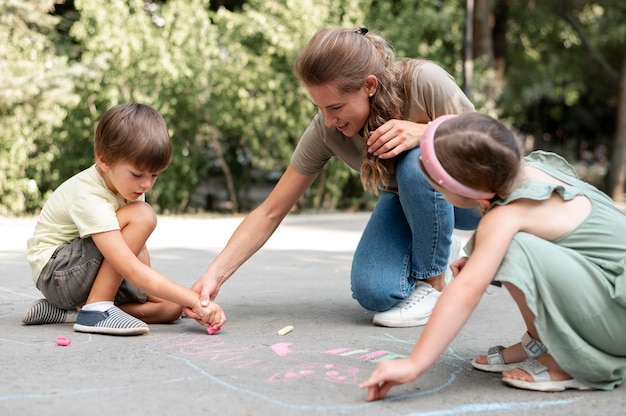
[62,341]
[213,331]
[285,330]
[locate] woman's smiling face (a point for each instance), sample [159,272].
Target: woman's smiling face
[347,112]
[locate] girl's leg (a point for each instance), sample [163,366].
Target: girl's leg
[555,371]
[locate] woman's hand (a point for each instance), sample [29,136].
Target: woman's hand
[389,373]
[395,137]
[207,288]
[211,315]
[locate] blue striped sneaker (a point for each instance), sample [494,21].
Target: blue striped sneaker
[43,312]
[113,321]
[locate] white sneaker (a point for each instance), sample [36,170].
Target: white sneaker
[412,311]
[455,253]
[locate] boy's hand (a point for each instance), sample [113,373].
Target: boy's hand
[211,315]
[207,288]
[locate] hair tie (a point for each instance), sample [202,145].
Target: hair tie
[436,171]
[362,31]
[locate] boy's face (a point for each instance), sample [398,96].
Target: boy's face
[126,180]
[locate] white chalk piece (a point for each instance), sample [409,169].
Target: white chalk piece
[285,330]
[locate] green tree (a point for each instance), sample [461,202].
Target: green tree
[260,113]
[36,86]
[222,80]
[136,51]
[563,74]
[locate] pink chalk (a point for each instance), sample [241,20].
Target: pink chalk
[62,341]
[213,331]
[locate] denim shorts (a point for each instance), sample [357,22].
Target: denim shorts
[67,278]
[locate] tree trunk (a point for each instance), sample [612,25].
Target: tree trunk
[500,17]
[228,176]
[483,24]
[468,48]
[617,171]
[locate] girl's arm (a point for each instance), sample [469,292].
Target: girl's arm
[458,300]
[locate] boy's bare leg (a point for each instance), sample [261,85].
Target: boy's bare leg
[154,311]
[137,222]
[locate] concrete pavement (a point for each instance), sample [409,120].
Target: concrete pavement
[300,278]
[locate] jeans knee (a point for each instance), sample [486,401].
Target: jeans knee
[372,299]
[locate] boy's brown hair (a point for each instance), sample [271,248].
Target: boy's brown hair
[134,133]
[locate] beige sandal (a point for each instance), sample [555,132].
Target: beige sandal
[541,379]
[495,360]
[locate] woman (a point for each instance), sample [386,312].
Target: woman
[553,241]
[373,110]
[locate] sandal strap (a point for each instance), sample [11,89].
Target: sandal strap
[494,355]
[534,348]
[535,369]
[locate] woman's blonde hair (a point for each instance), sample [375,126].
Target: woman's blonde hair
[345,57]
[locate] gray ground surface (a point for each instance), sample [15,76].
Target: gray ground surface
[300,278]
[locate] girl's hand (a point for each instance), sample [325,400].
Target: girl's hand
[395,137]
[457,265]
[389,373]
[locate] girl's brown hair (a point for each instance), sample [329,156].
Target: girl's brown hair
[345,57]
[480,152]
[134,133]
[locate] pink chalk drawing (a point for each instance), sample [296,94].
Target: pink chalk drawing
[217,351]
[366,355]
[281,349]
[329,372]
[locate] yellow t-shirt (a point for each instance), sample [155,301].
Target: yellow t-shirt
[80,207]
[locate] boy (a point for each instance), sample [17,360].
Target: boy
[88,255]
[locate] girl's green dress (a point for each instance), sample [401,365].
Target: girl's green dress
[575,285]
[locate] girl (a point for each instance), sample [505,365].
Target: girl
[555,242]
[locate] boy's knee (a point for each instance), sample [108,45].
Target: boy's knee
[172,312]
[140,212]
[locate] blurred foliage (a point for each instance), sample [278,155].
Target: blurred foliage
[220,73]
[36,91]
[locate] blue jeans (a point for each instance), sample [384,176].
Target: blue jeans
[407,238]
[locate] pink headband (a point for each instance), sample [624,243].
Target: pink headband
[436,171]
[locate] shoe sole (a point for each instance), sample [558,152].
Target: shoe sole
[546,386]
[401,324]
[111,331]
